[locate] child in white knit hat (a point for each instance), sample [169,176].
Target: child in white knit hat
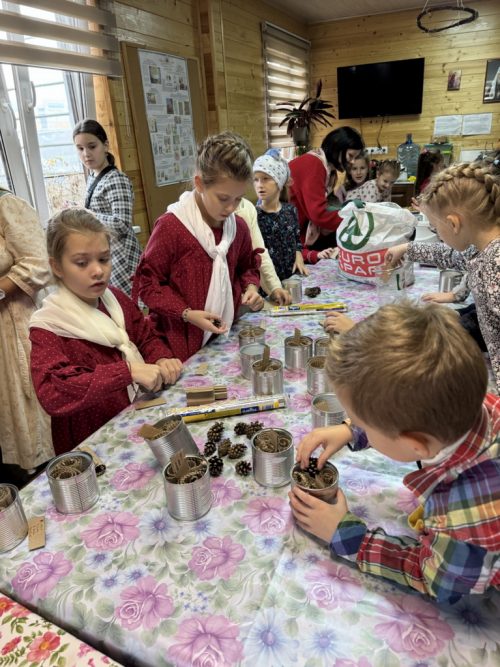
[277,218]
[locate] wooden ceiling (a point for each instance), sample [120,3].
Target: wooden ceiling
[316,11]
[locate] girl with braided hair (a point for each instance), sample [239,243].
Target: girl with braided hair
[199,266]
[463,204]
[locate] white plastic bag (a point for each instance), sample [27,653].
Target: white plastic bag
[366,232]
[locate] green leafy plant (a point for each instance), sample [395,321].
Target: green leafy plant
[310,112]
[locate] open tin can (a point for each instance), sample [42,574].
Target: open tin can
[251,334]
[268,382]
[73,482]
[175,436]
[249,354]
[189,501]
[273,468]
[328,493]
[317,382]
[13,524]
[297,354]
[294,286]
[327,410]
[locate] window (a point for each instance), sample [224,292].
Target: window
[39,106]
[286,64]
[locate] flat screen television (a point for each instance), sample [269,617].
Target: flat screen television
[392,88]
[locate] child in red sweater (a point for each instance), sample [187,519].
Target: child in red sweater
[199,266]
[91,346]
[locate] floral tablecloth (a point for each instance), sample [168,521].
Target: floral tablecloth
[27,640]
[243,585]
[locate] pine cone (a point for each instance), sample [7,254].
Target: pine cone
[253,428]
[243,468]
[312,292]
[215,432]
[215,466]
[210,448]
[237,451]
[241,428]
[224,446]
[312,468]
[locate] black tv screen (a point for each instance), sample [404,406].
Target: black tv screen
[381,89]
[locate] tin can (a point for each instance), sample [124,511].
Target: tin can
[317,382]
[251,334]
[327,410]
[249,354]
[272,468]
[321,345]
[329,493]
[73,492]
[294,286]
[191,501]
[268,382]
[296,356]
[13,524]
[172,441]
[448,279]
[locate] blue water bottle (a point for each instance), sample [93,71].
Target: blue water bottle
[408,156]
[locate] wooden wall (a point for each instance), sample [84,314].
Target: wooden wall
[167,25]
[225,35]
[396,36]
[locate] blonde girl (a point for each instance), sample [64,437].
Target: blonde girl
[199,266]
[379,188]
[463,203]
[91,347]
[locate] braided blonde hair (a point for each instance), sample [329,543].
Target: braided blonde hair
[472,186]
[225,154]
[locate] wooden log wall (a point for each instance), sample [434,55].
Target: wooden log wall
[396,36]
[225,35]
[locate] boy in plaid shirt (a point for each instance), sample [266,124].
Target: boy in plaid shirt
[414,384]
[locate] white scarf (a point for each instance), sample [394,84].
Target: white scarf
[220,292]
[66,315]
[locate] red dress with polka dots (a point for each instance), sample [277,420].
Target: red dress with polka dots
[82,385]
[174,274]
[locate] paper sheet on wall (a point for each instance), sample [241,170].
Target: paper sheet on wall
[447,125]
[469,155]
[167,99]
[477,123]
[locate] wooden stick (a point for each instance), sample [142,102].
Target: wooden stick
[178,464]
[297,336]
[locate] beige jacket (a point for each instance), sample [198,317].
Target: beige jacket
[269,281]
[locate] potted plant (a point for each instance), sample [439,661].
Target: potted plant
[311,111]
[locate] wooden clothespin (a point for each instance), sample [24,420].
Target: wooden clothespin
[202,395]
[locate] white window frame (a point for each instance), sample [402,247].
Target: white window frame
[286,60]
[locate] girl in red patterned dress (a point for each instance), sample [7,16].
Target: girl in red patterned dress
[91,347]
[199,266]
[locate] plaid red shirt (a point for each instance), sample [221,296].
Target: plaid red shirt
[457,548]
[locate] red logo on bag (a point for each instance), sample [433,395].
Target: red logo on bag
[361,263]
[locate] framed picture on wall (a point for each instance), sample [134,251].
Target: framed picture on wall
[454,78]
[492,81]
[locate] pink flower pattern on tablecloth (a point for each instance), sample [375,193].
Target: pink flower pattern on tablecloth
[146,603]
[34,580]
[272,419]
[206,641]
[132,476]
[10,646]
[41,647]
[224,491]
[216,558]
[414,627]
[300,402]
[111,531]
[333,586]
[347,662]
[268,516]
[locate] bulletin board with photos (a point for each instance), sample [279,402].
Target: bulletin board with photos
[168,107]
[167,101]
